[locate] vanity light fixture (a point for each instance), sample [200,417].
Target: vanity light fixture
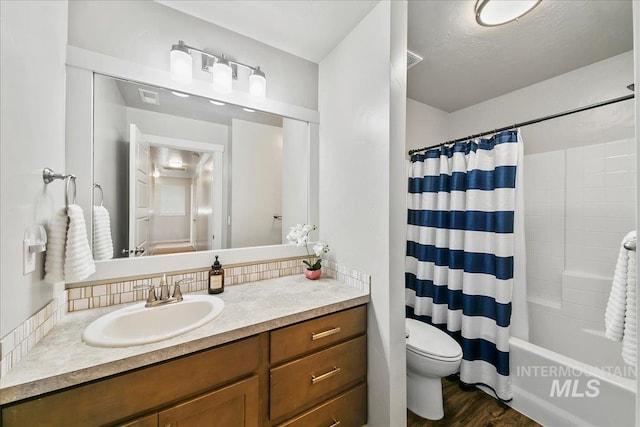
[217,103]
[181,63]
[223,70]
[491,13]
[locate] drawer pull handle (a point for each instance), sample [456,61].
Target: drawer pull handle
[322,377]
[326,333]
[335,423]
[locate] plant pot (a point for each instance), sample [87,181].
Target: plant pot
[312,274]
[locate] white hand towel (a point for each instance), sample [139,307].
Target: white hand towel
[621,312]
[78,263]
[56,239]
[629,338]
[102,242]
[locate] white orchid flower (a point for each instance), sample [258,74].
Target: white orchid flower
[318,248]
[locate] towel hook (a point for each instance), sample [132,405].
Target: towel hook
[99,187]
[69,179]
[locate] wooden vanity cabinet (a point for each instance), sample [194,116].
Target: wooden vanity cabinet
[318,371]
[308,374]
[149,390]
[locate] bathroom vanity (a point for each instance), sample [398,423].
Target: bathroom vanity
[296,363]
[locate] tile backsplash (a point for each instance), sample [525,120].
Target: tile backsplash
[17,343]
[137,289]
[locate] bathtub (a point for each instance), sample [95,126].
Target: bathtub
[556,390]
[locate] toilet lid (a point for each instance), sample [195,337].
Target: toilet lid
[430,341]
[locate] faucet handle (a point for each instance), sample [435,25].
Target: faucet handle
[177,292]
[152,292]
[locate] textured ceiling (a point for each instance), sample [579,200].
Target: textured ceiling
[464,63]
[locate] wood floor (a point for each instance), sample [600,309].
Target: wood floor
[471,409]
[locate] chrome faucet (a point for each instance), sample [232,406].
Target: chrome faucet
[165,298]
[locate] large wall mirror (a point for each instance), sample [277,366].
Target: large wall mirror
[183,173]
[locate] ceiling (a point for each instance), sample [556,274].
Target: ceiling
[464,63]
[193,107]
[308,29]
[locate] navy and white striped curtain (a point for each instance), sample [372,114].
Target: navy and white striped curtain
[460,250]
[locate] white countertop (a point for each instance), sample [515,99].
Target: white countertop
[62,359]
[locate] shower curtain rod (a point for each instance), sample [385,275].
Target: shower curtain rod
[529,122]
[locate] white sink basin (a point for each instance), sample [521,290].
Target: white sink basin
[137,325]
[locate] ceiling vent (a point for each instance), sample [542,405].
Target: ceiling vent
[149,97]
[413,59]
[631,87]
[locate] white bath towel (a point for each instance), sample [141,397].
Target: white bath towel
[56,240]
[102,242]
[78,262]
[621,312]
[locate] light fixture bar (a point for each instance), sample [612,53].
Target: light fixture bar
[217,58]
[224,70]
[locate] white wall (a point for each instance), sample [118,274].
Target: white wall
[597,82]
[636,43]
[362,172]
[111,158]
[426,125]
[295,164]
[256,192]
[144,31]
[32,137]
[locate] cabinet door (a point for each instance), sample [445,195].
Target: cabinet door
[232,406]
[148,421]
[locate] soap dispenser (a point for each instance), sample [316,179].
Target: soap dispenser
[216,278]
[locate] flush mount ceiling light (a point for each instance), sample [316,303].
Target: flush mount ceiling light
[180,94]
[490,13]
[217,102]
[223,70]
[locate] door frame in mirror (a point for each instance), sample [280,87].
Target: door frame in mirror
[81,66]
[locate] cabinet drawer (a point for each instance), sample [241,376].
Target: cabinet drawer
[303,337]
[306,381]
[347,410]
[139,391]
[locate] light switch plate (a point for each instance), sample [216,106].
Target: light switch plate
[29,259]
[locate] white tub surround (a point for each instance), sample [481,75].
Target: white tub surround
[250,309]
[556,390]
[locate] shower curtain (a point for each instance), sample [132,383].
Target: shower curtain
[460,250]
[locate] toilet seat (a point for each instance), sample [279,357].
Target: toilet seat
[429,341]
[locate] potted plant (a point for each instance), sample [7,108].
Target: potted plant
[299,234]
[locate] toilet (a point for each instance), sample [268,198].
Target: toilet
[431,355]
